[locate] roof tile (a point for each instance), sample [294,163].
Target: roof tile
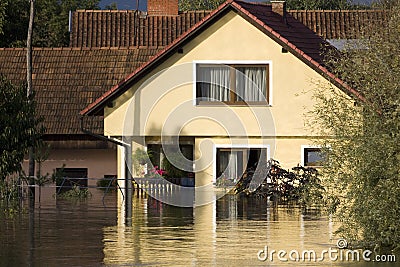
[68,79]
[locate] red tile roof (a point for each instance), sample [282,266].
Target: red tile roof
[340,24]
[68,79]
[293,35]
[124,28]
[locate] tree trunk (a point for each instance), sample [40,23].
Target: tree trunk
[29,95]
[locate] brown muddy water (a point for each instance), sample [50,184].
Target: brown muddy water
[232,232]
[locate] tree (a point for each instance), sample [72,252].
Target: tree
[3,6]
[317,4]
[51,21]
[19,127]
[112,6]
[187,5]
[363,157]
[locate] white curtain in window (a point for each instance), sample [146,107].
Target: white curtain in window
[232,169]
[251,83]
[231,164]
[213,82]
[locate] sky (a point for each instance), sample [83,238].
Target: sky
[131,4]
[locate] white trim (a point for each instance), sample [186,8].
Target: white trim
[229,62]
[303,147]
[122,152]
[244,146]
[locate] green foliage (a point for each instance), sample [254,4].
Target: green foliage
[76,193]
[104,183]
[58,175]
[50,26]
[140,159]
[19,128]
[363,163]
[3,8]
[9,190]
[187,5]
[112,6]
[9,195]
[310,191]
[301,184]
[40,155]
[171,171]
[317,4]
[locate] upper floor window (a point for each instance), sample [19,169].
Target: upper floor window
[232,84]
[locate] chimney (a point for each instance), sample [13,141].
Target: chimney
[162,7]
[279,7]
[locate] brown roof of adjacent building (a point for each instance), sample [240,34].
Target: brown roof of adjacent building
[340,24]
[66,80]
[124,28]
[288,32]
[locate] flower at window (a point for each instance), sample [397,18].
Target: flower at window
[157,171]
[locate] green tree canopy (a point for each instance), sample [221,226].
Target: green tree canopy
[19,127]
[363,163]
[112,6]
[317,4]
[3,6]
[51,21]
[186,5]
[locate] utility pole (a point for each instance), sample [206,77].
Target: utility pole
[29,95]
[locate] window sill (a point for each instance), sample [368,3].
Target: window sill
[315,167]
[232,104]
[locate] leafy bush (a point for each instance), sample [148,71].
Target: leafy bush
[301,184]
[362,168]
[76,193]
[104,183]
[19,128]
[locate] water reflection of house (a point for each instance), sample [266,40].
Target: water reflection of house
[107,46]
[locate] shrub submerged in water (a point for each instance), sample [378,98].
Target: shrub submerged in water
[75,193]
[300,184]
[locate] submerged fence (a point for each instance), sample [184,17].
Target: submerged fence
[141,185]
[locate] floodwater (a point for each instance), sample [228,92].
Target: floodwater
[231,232]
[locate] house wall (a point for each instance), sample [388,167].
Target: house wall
[99,162]
[286,150]
[161,104]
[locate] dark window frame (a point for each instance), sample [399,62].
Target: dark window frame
[318,163]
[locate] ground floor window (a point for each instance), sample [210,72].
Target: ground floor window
[231,163]
[70,177]
[312,157]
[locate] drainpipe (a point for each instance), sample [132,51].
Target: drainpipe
[127,156]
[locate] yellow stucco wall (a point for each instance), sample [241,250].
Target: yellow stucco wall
[170,95]
[162,102]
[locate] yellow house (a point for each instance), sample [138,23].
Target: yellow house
[231,91]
